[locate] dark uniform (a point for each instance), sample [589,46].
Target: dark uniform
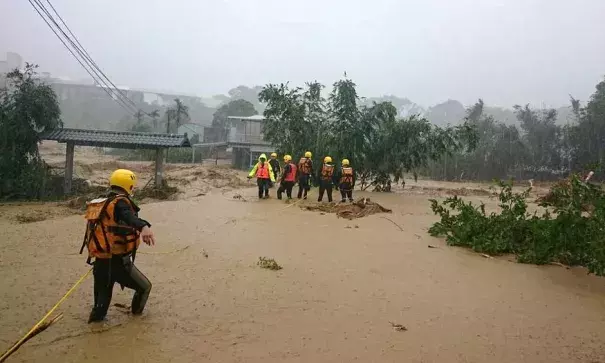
[346,183]
[120,268]
[288,181]
[276,168]
[326,180]
[305,173]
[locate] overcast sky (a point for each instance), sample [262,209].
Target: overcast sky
[505,51]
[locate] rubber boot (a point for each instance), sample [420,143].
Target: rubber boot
[142,293]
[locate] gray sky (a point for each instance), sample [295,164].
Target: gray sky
[505,51]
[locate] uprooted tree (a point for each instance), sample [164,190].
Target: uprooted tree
[379,144]
[28,107]
[569,230]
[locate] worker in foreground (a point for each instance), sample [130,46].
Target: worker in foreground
[264,176]
[275,166]
[113,234]
[346,181]
[288,178]
[325,176]
[305,173]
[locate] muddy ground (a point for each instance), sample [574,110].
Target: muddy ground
[343,285]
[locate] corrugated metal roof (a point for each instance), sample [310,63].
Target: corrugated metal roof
[117,139]
[247,118]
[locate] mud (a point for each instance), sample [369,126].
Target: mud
[359,209]
[373,293]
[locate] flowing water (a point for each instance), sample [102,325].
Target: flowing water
[342,286]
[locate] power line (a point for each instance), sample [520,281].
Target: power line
[120,101]
[89,58]
[98,78]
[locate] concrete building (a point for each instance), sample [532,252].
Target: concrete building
[243,137]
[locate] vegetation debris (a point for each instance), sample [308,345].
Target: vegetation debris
[398,327]
[565,232]
[268,263]
[358,209]
[31,217]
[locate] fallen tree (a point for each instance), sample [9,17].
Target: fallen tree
[569,231]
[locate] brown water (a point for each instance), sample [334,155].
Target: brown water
[333,301]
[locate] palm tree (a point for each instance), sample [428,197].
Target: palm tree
[154,118]
[178,112]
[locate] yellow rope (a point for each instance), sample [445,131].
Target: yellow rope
[163,252]
[16,345]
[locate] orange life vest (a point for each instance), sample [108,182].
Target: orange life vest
[347,175]
[291,176]
[104,235]
[262,170]
[305,166]
[327,171]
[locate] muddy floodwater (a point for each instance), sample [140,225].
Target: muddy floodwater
[342,287]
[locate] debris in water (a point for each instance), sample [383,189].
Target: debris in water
[361,208]
[204,253]
[398,327]
[559,264]
[35,216]
[485,255]
[121,306]
[268,263]
[431,246]
[239,197]
[390,220]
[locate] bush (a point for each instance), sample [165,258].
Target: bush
[565,232]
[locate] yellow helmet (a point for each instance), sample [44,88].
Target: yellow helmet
[308,154]
[345,162]
[287,158]
[124,179]
[328,159]
[273,155]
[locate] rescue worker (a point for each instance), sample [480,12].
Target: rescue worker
[264,176]
[113,234]
[288,178]
[275,166]
[305,173]
[346,181]
[325,176]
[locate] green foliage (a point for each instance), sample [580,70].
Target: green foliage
[27,108]
[379,145]
[564,232]
[176,115]
[239,107]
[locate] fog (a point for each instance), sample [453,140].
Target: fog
[506,52]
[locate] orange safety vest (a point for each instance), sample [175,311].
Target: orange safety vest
[104,235]
[262,171]
[327,171]
[304,166]
[347,175]
[291,176]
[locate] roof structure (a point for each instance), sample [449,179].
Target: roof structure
[117,139]
[247,118]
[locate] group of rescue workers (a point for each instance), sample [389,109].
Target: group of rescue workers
[114,230]
[267,172]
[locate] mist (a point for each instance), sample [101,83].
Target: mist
[506,52]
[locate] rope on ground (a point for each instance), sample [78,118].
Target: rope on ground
[390,220]
[36,329]
[163,252]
